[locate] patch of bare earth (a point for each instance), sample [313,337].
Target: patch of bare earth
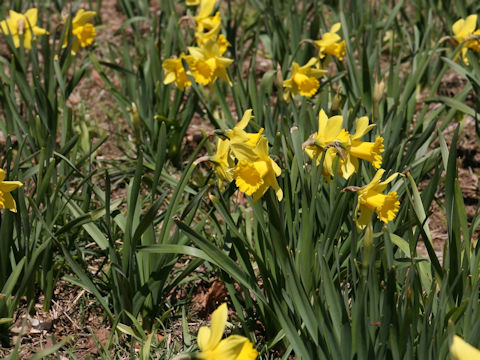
[74,313]
[468,164]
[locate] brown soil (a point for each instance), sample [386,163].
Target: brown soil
[468,163]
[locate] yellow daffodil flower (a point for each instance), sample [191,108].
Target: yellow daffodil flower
[330,138]
[22,25]
[357,149]
[238,133]
[208,64]
[303,81]
[461,350]
[464,31]
[204,20]
[210,342]
[192,2]
[175,72]
[256,171]
[223,161]
[6,199]
[83,32]
[331,43]
[334,140]
[371,198]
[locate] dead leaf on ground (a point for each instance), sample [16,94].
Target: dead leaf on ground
[207,300]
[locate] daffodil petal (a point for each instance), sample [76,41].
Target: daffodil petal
[219,319]
[462,350]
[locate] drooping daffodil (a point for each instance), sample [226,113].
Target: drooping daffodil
[331,43]
[207,63]
[82,31]
[303,80]
[372,199]
[175,72]
[256,171]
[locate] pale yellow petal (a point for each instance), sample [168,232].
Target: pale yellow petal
[9,203]
[219,319]
[32,16]
[247,116]
[470,24]
[82,17]
[461,350]
[229,348]
[364,218]
[310,62]
[7,186]
[14,16]
[457,26]
[362,127]
[336,27]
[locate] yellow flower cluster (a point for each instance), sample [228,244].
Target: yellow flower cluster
[233,347]
[6,199]
[205,61]
[464,32]
[331,140]
[23,27]
[243,157]
[304,79]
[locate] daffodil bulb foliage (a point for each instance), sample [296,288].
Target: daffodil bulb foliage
[22,27]
[462,350]
[303,80]
[6,199]
[464,33]
[213,347]
[243,157]
[331,43]
[333,140]
[371,198]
